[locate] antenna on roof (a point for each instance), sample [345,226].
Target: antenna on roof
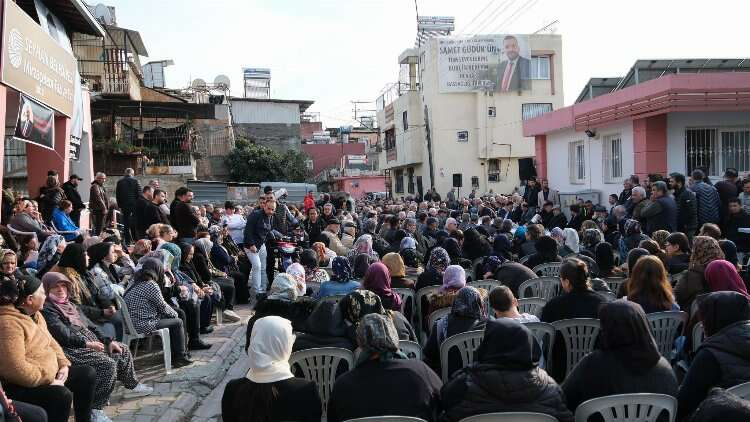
[198,83]
[103,14]
[550,28]
[222,81]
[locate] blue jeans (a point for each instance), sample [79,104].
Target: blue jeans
[258,277]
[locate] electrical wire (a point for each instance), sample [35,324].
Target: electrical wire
[466,27]
[494,15]
[517,14]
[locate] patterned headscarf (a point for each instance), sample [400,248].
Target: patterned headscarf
[468,303]
[408,243]
[378,338]
[297,271]
[491,264]
[342,270]
[378,279]
[705,250]
[410,257]
[284,287]
[592,237]
[439,260]
[48,250]
[571,239]
[214,232]
[632,227]
[205,245]
[363,244]
[454,278]
[359,303]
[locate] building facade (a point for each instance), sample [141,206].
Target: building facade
[273,123]
[430,137]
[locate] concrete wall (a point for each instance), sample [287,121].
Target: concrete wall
[307,129]
[266,112]
[277,136]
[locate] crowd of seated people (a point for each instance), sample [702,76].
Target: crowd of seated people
[345,290]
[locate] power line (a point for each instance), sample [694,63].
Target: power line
[496,14]
[517,14]
[466,27]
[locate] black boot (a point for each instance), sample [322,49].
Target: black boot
[198,344]
[178,361]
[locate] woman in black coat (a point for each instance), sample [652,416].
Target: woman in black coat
[505,378]
[723,360]
[546,251]
[627,353]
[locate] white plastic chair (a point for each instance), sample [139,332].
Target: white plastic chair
[437,315]
[664,328]
[421,293]
[411,349]
[466,343]
[387,419]
[17,232]
[639,407]
[523,260]
[320,366]
[543,287]
[579,335]
[741,390]
[545,335]
[531,305]
[698,336]
[79,232]
[407,296]
[487,284]
[614,283]
[510,417]
[549,269]
[130,334]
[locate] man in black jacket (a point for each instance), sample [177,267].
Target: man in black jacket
[71,193]
[152,213]
[258,230]
[738,219]
[140,207]
[127,192]
[182,216]
[687,206]
[627,186]
[661,213]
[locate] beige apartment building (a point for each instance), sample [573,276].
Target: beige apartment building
[455,116]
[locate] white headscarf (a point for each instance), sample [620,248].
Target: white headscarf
[571,239]
[270,347]
[297,271]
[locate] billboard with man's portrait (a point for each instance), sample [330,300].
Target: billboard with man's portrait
[35,123]
[497,63]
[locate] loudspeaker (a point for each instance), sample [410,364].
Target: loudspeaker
[458,180]
[526,168]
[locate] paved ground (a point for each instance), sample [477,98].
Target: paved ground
[191,393]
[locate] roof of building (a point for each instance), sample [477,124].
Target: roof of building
[161,109]
[74,14]
[134,36]
[598,86]
[645,70]
[303,104]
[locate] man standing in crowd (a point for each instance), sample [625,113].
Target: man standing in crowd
[661,212]
[727,189]
[547,194]
[182,216]
[309,201]
[708,199]
[744,195]
[627,189]
[234,223]
[531,195]
[332,233]
[153,213]
[140,208]
[451,196]
[71,193]
[258,230]
[127,191]
[687,211]
[327,212]
[636,203]
[738,219]
[98,203]
[351,205]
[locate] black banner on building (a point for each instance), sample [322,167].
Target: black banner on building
[35,123]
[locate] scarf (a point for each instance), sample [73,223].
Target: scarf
[284,287]
[378,339]
[204,246]
[68,308]
[270,348]
[570,239]
[342,271]
[395,264]
[361,264]
[721,275]
[720,309]
[48,250]
[359,303]
[408,243]
[378,280]
[705,250]
[468,303]
[454,278]
[626,334]
[439,260]
[297,271]
[363,244]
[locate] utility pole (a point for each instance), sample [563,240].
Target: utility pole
[358,112]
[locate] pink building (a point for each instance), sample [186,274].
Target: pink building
[329,155]
[358,186]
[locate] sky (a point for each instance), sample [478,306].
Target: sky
[337,51]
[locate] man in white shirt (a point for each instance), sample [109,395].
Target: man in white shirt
[234,223]
[505,305]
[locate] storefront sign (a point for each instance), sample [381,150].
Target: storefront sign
[34,64]
[35,123]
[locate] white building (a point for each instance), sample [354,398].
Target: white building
[430,136]
[664,116]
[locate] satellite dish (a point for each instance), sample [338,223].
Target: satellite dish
[222,81]
[103,14]
[198,83]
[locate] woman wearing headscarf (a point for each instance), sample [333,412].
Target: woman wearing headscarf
[313,274]
[49,253]
[378,280]
[397,269]
[84,344]
[627,353]
[270,392]
[605,258]
[283,300]
[101,269]
[546,251]
[209,274]
[722,276]
[649,287]
[705,250]
[591,238]
[34,368]
[361,264]
[455,253]
[324,254]
[468,313]
[505,377]
[297,271]
[383,378]
[723,359]
[228,261]
[342,282]
[454,279]
[363,245]
[475,245]
[436,265]
[730,251]
[631,238]
[502,246]
[359,303]
[570,242]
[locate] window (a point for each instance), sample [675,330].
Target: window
[410,185]
[612,158]
[399,175]
[540,67]
[531,110]
[462,136]
[491,111]
[474,182]
[405,121]
[493,170]
[715,149]
[390,139]
[577,162]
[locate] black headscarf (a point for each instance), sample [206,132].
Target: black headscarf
[98,252]
[361,264]
[604,257]
[74,256]
[475,245]
[546,247]
[410,257]
[625,333]
[509,345]
[452,247]
[720,309]
[730,251]
[502,246]
[633,256]
[149,269]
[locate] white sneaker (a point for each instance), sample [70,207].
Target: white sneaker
[231,316]
[140,390]
[98,415]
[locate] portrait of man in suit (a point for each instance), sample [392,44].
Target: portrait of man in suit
[513,72]
[26,125]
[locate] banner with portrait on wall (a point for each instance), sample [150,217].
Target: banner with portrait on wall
[35,123]
[496,63]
